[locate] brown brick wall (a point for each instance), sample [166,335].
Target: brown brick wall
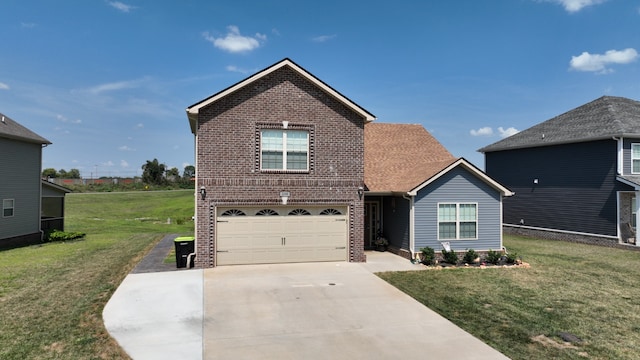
[228,154]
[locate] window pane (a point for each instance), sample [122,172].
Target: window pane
[296,160]
[635,151]
[447,212]
[271,140]
[467,212]
[447,230]
[636,166]
[272,160]
[467,230]
[297,141]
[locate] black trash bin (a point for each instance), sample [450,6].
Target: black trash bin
[184,247]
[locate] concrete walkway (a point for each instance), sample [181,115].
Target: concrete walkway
[331,310]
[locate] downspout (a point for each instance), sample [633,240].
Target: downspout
[411,226]
[619,159]
[195,197]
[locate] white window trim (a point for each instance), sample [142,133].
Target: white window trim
[13,207]
[632,158]
[457,204]
[284,152]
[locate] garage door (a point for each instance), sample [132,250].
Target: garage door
[281,234]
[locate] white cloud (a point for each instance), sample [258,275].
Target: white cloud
[126,148]
[233,68]
[124,163]
[118,85]
[598,62]
[139,126]
[66,120]
[28,25]
[323,38]
[233,42]
[4,86]
[121,6]
[507,132]
[573,6]
[484,131]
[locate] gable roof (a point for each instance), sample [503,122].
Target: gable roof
[192,111]
[399,157]
[54,186]
[462,162]
[12,130]
[603,118]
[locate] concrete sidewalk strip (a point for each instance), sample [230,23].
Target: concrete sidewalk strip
[323,311]
[158,315]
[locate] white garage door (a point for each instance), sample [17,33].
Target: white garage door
[281,234]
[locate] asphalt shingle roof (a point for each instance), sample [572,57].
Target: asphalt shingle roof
[600,119]
[399,157]
[11,129]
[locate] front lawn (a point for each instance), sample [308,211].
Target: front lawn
[588,291]
[52,295]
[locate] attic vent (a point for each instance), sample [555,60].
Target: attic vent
[2,118]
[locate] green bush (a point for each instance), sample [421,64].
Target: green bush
[470,256]
[450,257]
[57,235]
[428,255]
[493,257]
[512,258]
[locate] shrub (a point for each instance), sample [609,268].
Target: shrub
[512,258]
[450,257]
[470,256]
[493,257]
[57,235]
[428,256]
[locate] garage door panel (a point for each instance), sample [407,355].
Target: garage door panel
[281,238]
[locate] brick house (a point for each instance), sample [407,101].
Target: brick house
[280,177]
[279,171]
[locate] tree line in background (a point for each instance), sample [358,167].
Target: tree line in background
[154,174]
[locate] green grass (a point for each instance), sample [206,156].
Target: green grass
[52,295]
[590,291]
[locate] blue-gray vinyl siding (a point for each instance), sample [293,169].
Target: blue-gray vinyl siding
[20,180]
[576,188]
[395,215]
[458,186]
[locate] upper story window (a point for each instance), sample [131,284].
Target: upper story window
[635,158]
[284,150]
[457,221]
[7,207]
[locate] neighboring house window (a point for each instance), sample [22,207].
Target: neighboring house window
[284,150]
[457,221]
[635,158]
[7,207]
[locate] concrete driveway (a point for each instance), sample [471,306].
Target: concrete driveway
[331,310]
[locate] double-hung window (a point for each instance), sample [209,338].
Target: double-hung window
[635,158]
[7,207]
[284,150]
[457,221]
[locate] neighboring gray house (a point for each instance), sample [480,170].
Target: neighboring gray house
[576,176]
[419,195]
[20,183]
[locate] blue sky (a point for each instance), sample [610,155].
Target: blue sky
[107,82]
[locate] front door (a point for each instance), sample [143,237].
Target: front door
[371,222]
